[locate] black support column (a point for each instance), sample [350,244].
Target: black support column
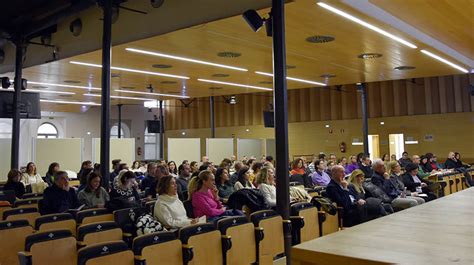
[361,87]
[213,124]
[281,117]
[162,132]
[119,106]
[105,109]
[15,151]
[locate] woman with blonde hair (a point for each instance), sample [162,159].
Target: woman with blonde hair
[266,183]
[394,170]
[32,179]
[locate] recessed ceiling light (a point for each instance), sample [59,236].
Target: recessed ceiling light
[61,85]
[404,68]
[161,66]
[88,133]
[320,39]
[229,54]
[369,55]
[130,70]
[72,81]
[367,25]
[233,84]
[184,59]
[327,126]
[294,79]
[247,130]
[220,75]
[183,133]
[149,93]
[116,97]
[70,102]
[432,55]
[382,123]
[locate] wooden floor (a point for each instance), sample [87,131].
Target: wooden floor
[438,232]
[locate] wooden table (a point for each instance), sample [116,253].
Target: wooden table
[438,232]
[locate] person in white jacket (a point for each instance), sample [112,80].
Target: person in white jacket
[169,210]
[266,183]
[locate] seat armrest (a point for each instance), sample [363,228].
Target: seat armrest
[226,243]
[140,260]
[287,226]
[297,222]
[259,234]
[24,257]
[188,253]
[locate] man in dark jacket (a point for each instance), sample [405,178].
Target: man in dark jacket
[366,166]
[182,181]
[404,160]
[355,211]
[59,198]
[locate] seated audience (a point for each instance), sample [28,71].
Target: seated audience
[169,210]
[85,166]
[297,167]
[366,166]
[243,179]
[385,159]
[415,183]
[337,190]
[395,171]
[135,166]
[432,162]
[234,177]
[93,195]
[333,158]
[353,165]
[320,177]
[404,160]
[312,167]
[173,169]
[256,167]
[223,183]
[32,179]
[53,168]
[417,161]
[266,183]
[85,172]
[14,184]
[342,162]
[115,168]
[184,172]
[425,166]
[124,193]
[194,166]
[60,197]
[150,188]
[393,157]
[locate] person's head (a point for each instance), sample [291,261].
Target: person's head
[353,159]
[205,166]
[205,180]
[394,167]
[151,168]
[136,164]
[238,165]
[161,170]
[185,162]
[322,156]
[14,175]
[329,165]
[222,175]
[243,175]
[385,158]
[172,167]
[393,157]
[116,163]
[332,157]
[97,168]
[204,159]
[359,157]
[412,169]
[194,166]
[184,171]
[357,178]
[365,160]
[405,155]
[415,159]
[297,163]
[457,156]
[256,167]
[250,162]
[53,167]
[337,174]
[378,166]
[434,158]
[342,161]
[86,164]
[167,185]
[233,158]
[31,168]
[122,166]
[269,159]
[226,162]
[429,156]
[127,178]
[320,165]
[423,160]
[266,175]
[451,155]
[93,182]
[61,180]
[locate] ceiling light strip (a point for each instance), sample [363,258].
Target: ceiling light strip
[185,59]
[149,93]
[367,25]
[70,102]
[118,97]
[130,70]
[432,55]
[62,85]
[294,79]
[234,84]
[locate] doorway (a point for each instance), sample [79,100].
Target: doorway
[397,144]
[374,148]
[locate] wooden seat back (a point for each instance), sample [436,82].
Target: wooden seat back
[206,243]
[158,248]
[94,215]
[56,221]
[52,248]
[12,240]
[99,232]
[114,253]
[29,214]
[242,236]
[273,242]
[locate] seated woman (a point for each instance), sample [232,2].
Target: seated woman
[14,184]
[297,167]
[93,195]
[266,183]
[60,197]
[395,171]
[223,183]
[169,210]
[124,191]
[352,165]
[415,184]
[205,199]
[256,167]
[32,179]
[53,168]
[243,180]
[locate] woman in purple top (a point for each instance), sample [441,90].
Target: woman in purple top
[352,166]
[320,177]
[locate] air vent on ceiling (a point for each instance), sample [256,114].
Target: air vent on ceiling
[320,39]
[404,68]
[288,67]
[215,88]
[229,54]
[266,82]
[327,75]
[220,75]
[168,82]
[369,55]
[72,81]
[161,66]
[39,87]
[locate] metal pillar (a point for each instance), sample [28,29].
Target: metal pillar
[105,107]
[213,124]
[365,125]
[15,151]
[119,120]
[162,132]
[281,117]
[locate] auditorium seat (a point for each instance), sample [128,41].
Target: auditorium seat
[272,243]
[113,253]
[158,248]
[98,232]
[3,208]
[150,206]
[93,215]
[26,203]
[204,242]
[123,220]
[241,234]
[49,248]
[56,221]
[331,223]
[29,214]
[304,222]
[12,240]
[32,195]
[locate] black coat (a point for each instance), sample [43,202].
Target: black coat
[57,200]
[409,183]
[368,171]
[351,214]
[252,198]
[17,187]
[451,163]
[148,185]
[386,185]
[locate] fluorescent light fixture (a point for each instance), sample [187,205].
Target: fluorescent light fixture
[234,84]
[117,97]
[45,91]
[130,70]
[70,102]
[247,130]
[382,123]
[327,126]
[184,59]
[445,61]
[357,143]
[150,93]
[183,133]
[62,85]
[411,142]
[367,25]
[294,79]
[151,104]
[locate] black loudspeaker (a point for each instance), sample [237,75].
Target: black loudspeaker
[269,119]
[153,126]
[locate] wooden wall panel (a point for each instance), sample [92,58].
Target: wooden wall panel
[465,97]
[325,101]
[435,96]
[419,97]
[449,94]
[315,94]
[304,107]
[443,106]
[427,95]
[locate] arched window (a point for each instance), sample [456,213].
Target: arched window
[5,129]
[114,132]
[47,130]
[151,145]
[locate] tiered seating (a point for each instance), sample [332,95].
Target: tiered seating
[241,234]
[204,241]
[115,252]
[29,214]
[93,215]
[98,232]
[56,221]
[158,248]
[304,222]
[12,240]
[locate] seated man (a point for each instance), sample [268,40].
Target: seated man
[355,211]
[182,181]
[365,166]
[59,198]
[320,177]
[416,184]
[382,180]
